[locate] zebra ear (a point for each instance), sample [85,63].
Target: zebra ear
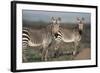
[83,19]
[59,18]
[78,18]
[52,18]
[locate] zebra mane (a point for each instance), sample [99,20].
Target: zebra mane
[76,28]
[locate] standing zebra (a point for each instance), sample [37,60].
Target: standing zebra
[41,37]
[70,35]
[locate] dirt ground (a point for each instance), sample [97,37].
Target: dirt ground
[84,54]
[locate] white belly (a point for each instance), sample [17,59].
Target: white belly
[68,40]
[33,44]
[72,39]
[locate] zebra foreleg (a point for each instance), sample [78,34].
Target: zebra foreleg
[42,54]
[75,48]
[46,55]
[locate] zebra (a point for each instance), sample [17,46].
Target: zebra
[70,35]
[41,37]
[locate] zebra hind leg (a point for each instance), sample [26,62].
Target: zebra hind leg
[43,55]
[24,53]
[75,52]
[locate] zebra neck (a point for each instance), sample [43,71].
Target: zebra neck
[80,31]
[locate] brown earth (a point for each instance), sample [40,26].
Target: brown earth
[84,54]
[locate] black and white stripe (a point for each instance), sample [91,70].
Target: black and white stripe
[58,36]
[25,37]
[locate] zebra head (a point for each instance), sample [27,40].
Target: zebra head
[55,22]
[80,23]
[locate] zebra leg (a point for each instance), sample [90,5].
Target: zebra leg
[56,53]
[46,55]
[24,51]
[24,58]
[56,48]
[42,55]
[75,48]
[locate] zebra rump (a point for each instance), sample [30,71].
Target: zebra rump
[25,37]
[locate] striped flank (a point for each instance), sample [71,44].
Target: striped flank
[25,37]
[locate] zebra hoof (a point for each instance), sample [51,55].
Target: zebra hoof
[75,53]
